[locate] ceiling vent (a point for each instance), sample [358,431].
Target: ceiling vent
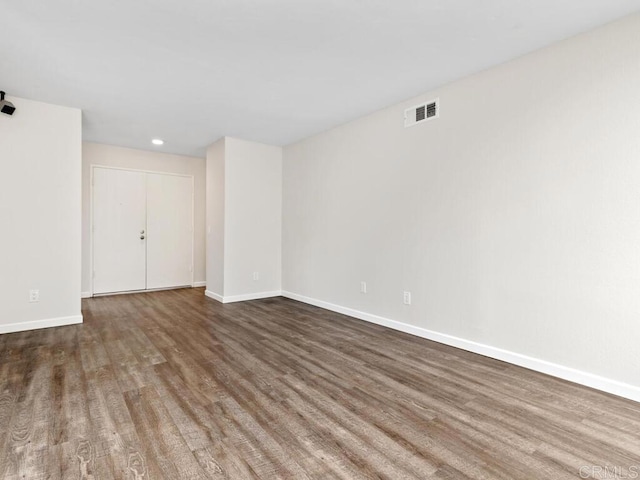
[422,113]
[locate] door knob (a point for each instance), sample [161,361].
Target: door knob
[141,237]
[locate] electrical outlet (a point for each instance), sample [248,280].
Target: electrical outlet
[34,296]
[407,298]
[256,276]
[363,287]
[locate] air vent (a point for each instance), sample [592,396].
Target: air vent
[422,113]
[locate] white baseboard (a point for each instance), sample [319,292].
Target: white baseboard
[199,284]
[251,296]
[614,387]
[214,295]
[85,295]
[242,298]
[37,324]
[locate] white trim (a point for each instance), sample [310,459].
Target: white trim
[604,384]
[215,296]
[37,324]
[91,180]
[85,295]
[193,228]
[199,284]
[251,296]
[161,172]
[242,298]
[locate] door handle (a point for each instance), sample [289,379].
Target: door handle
[141,237]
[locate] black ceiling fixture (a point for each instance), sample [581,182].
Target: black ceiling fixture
[6,106]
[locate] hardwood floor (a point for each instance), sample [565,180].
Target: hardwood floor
[177,386]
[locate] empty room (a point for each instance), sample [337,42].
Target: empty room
[311,239]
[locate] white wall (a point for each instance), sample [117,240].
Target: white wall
[253,211]
[514,219]
[107,155]
[244,201]
[40,202]
[215,217]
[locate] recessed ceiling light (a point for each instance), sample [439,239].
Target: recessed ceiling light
[157,141]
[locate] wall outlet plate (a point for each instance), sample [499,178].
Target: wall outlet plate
[406,298]
[34,296]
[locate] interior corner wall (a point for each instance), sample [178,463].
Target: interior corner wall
[253,218]
[244,211]
[40,214]
[120,157]
[513,219]
[215,218]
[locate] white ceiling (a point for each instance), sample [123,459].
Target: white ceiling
[273,71]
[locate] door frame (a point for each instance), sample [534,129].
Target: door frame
[91,204]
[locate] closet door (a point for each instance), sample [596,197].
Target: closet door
[169,228]
[119,230]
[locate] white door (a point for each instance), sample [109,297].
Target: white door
[170,231]
[119,223]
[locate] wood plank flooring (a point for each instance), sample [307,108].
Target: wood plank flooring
[172,385]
